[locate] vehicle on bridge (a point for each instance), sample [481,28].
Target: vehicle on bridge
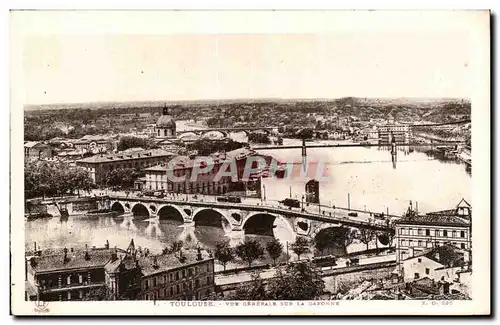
[328,260]
[148,193]
[293,203]
[230,199]
[159,194]
[352,214]
[379,216]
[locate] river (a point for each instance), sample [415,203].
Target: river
[367,174]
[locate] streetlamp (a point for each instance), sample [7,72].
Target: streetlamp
[302,202]
[264,187]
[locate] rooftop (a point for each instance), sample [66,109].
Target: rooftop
[450,217]
[161,263]
[100,158]
[78,258]
[447,255]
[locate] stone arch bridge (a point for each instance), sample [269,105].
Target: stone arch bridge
[234,217]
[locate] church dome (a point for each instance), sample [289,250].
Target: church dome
[165,121]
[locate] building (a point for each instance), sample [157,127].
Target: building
[161,177]
[82,274]
[99,165]
[399,132]
[34,150]
[440,263]
[185,275]
[165,126]
[417,233]
[93,144]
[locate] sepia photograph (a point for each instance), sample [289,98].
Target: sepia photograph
[231,163]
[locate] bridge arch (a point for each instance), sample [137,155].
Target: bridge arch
[202,217]
[259,223]
[170,212]
[214,135]
[139,210]
[331,240]
[118,207]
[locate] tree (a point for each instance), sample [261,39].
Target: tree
[301,281]
[175,247]
[255,290]
[249,251]
[365,235]
[223,253]
[300,246]
[274,249]
[128,142]
[306,133]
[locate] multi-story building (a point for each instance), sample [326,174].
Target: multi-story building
[417,233]
[34,150]
[99,165]
[160,177]
[399,132]
[82,274]
[184,275]
[93,144]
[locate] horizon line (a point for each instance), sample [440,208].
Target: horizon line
[243,99]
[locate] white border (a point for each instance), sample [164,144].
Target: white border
[265,23]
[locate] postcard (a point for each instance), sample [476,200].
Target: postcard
[250,162]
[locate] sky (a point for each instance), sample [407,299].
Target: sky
[65,68]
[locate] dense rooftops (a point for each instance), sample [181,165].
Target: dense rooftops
[127,156]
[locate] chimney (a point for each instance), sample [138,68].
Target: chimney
[114,255]
[65,259]
[182,258]
[107,244]
[199,257]
[35,246]
[33,262]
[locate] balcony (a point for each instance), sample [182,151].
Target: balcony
[72,286]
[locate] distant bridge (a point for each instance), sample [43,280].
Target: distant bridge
[229,129]
[350,145]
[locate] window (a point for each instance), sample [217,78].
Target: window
[165,278]
[146,284]
[197,283]
[164,292]
[403,242]
[209,280]
[462,245]
[427,271]
[146,297]
[417,275]
[420,243]
[427,232]
[178,289]
[171,291]
[453,234]
[420,232]
[445,233]
[184,286]
[420,260]
[462,234]
[190,271]
[154,282]
[177,276]
[195,270]
[183,273]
